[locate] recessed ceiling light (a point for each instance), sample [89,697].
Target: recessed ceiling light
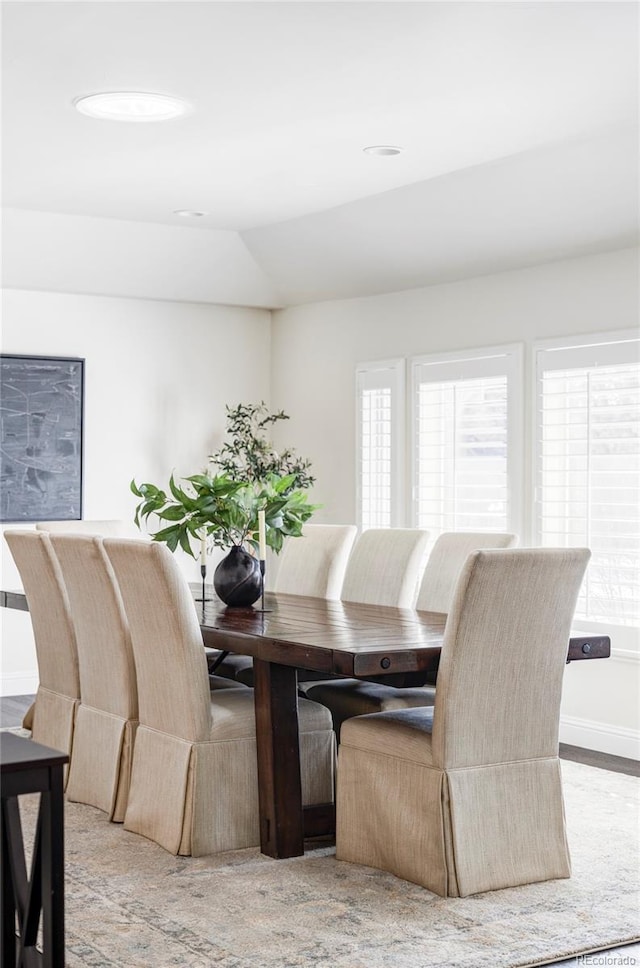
[132,106]
[382,150]
[188,213]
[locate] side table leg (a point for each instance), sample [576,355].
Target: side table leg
[52,820]
[25,890]
[8,924]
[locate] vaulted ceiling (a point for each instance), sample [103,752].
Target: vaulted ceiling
[518,124]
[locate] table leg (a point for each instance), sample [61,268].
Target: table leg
[52,830]
[37,896]
[26,891]
[278,744]
[8,931]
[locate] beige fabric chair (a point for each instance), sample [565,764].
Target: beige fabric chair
[385,567]
[356,697]
[445,562]
[467,796]
[52,716]
[314,565]
[194,785]
[107,716]
[113,528]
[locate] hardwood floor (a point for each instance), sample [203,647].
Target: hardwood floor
[602,761]
[13,708]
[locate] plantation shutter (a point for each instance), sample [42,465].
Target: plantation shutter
[380,396]
[588,469]
[467,414]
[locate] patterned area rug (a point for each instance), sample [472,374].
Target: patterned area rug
[132,905]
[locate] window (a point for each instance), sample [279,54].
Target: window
[380,426]
[588,466]
[467,456]
[467,427]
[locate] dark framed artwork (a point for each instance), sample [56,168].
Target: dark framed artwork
[41,438]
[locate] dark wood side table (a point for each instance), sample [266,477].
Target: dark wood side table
[28,767]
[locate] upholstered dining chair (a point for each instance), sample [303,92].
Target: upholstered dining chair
[466,796]
[356,697]
[445,562]
[114,527]
[51,718]
[107,717]
[385,567]
[119,528]
[313,565]
[194,784]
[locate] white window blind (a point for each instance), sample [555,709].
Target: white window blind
[380,396]
[588,468]
[467,417]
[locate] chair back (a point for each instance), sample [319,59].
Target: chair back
[49,610]
[503,656]
[315,563]
[385,566]
[105,655]
[171,668]
[113,528]
[444,564]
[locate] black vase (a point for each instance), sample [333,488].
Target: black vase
[237,579]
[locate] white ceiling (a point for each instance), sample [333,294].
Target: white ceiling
[518,120]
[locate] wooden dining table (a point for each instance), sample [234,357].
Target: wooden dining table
[325,637]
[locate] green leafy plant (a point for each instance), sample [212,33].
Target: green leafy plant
[250,455]
[223,507]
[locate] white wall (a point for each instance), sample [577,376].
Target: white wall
[157,378]
[315,349]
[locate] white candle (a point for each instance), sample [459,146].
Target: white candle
[203,551]
[262,537]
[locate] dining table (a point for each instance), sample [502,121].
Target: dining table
[286,633]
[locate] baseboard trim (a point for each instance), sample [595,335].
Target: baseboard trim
[19,684]
[625,655]
[602,737]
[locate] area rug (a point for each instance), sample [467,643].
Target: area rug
[129,904]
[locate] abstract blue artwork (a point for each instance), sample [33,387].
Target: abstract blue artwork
[41,440]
